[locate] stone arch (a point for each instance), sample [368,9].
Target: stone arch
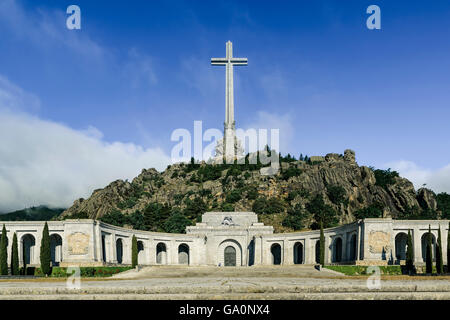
[275,250]
[161,253]
[317,251]
[28,248]
[221,252]
[424,241]
[119,250]
[401,240]
[141,252]
[337,249]
[298,253]
[56,249]
[183,254]
[353,248]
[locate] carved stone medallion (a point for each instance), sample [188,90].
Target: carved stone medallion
[78,243]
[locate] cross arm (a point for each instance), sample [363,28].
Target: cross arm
[239,61]
[219,61]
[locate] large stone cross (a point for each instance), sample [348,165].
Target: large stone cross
[229,61]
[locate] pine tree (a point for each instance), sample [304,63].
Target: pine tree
[429,254]
[322,245]
[439,262]
[15,257]
[45,251]
[3,253]
[410,254]
[134,252]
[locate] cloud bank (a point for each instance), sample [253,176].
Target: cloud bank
[436,180]
[48,163]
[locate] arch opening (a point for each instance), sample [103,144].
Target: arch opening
[161,253]
[337,250]
[183,254]
[298,253]
[56,249]
[28,246]
[275,249]
[119,250]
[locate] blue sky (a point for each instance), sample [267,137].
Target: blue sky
[106,98]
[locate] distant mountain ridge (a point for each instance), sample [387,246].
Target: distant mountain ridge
[40,213]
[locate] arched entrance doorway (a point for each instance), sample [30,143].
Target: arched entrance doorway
[56,249]
[183,254]
[28,245]
[229,256]
[275,249]
[317,251]
[119,250]
[352,251]
[298,253]
[425,245]
[161,253]
[401,240]
[337,252]
[104,258]
[140,249]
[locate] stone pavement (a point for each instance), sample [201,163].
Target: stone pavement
[153,283]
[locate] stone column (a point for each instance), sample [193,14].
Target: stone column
[172,253]
[307,252]
[357,249]
[98,242]
[344,248]
[328,252]
[113,248]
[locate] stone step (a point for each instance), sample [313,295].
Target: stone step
[241,296]
[225,288]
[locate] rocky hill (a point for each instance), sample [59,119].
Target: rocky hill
[293,199]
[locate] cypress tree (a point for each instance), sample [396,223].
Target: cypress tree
[439,263]
[409,254]
[429,254]
[322,245]
[3,253]
[15,257]
[448,249]
[134,252]
[45,251]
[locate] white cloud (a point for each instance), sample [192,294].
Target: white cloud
[437,180]
[43,162]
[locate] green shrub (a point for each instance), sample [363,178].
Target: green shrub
[176,223]
[290,172]
[385,178]
[322,213]
[443,204]
[375,210]
[227,207]
[268,206]
[296,218]
[336,194]
[234,196]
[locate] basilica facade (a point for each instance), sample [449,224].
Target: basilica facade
[226,239]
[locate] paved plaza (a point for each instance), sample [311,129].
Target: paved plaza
[229,283]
